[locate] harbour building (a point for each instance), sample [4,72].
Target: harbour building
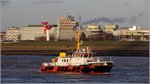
[94,29]
[137,33]
[109,28]
[66,27]
[31,32]
[13,34]
[131,33]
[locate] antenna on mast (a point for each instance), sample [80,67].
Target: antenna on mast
[80,26]
[78,34]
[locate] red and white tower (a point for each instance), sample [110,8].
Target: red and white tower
[46,30]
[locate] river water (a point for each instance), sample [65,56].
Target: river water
[26,69]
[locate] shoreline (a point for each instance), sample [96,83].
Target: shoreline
[54,50]
[101,48]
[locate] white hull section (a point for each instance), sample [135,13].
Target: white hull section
[77,61]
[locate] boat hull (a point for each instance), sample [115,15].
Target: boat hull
[92,69]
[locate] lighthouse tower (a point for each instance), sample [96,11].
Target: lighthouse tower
[46,30]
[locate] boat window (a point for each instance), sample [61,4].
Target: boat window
[55,60]
[88,55]
[75,55]
[67,60]
[64,60]
[82,55]
[78,55]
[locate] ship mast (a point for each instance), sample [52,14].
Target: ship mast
[78,34]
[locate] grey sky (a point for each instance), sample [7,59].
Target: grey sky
[25,12]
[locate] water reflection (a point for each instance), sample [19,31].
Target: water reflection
[26,69]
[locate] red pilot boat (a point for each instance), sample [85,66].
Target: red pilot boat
[82,60]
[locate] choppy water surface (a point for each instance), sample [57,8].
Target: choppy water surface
[26,69]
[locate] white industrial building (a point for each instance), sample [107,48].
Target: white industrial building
[109,28]
[94,29]
[31,32]
[132,33]
[13,34]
